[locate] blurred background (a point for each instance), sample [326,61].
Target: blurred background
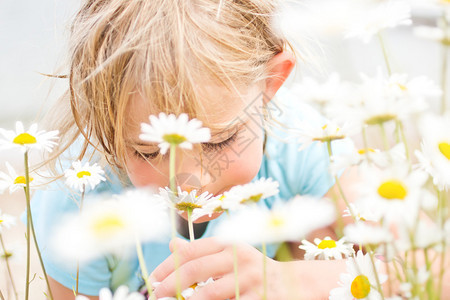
[33,36]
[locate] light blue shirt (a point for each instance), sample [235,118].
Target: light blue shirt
[302,172]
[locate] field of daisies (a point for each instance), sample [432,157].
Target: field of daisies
[398,214]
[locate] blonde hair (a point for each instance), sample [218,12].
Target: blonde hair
[157,49]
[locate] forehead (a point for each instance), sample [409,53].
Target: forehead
[218,107]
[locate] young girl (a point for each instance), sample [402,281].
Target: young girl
[222,63]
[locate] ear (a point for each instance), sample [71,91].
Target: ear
[279,68]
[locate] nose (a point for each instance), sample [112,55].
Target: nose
[192,177]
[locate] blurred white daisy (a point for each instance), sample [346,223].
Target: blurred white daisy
[249,193]
[367,234]
[362,156]
[286,221]
[363,211]
[169,130]
[13,181]
[422,235]
[185,201]
[382,99]
[360,281]
[81,176]
[111,226]
[307,133]
[395,192]
[320,95]
[15,253]
[30,139]
[6,221]
[435,155]
[377,16]
[431,33]
[327,249]
[122,293]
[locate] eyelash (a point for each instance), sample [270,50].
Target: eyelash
[206,147]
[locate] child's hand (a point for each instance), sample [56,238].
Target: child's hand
[208,257]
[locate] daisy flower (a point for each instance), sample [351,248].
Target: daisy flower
[396,193]
[363,211]
[249,193]
[286,221]
[307,133]
[122,293]
[333,90]
[6,221]
[378,16]
[435,155]
[169,130]
[13,181]
[326,249]
[26,140]
[367,156]
[360,281]
[80,176]
[365,234]
[111,226]
[185,201]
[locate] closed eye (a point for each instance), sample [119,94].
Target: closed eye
[146,155]
[207,147]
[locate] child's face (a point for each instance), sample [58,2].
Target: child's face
[232,157]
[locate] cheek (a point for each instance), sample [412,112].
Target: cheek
[143,174]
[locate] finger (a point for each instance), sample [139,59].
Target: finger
[186,252]
[194,271]
[223,288]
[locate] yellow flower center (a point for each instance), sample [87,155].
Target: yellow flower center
[402,87]
[81,174]
[445,148]
[380,119]
[360,287]
[253,198]
[276,221]
[21,180]
[185,206]
[392,189]
[1,221]
[364,151]
[24,138]
[6,255]
[174,139]
[326,244]
[108,225]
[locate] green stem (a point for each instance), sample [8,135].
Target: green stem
[8,267]
[144,271]
[385,55]
[384,136]
[190,225]
[264,250]
[430,278]
[78,262]
[404,140]
[236,276]
[377,279]
[173,188]
[30,223]
[339,220]
[444,67]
